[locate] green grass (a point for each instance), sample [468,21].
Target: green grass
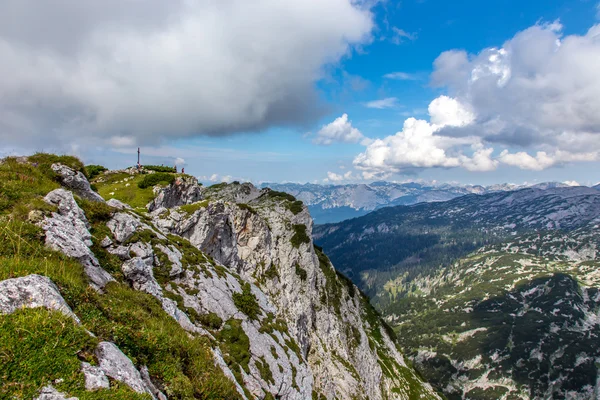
[235,346]
[115,186]
[22,185]
[192,208]
[300,235]
[38,347]
[246,302]
[93,171]
[295,207]
[44,161]
[301,272]
[160,168]
[151,180]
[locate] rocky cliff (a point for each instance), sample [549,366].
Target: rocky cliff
[208,293]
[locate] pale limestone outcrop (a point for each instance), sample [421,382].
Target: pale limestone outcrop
[32,291]
[95,378]
[118,366]
[184,190]
[50,393]
[67,232]
[75,181]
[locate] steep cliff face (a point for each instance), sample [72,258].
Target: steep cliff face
[217,293]
[265,236]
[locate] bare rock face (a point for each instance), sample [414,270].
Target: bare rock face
[50,393]
[119,205]
[95,378]
[347,355]
[185,190]
[118,366]
[67,232]
[123,226]
[76,181]
[30,292]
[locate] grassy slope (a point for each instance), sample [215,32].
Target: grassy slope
[29,359]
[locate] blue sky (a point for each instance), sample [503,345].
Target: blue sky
[346,77]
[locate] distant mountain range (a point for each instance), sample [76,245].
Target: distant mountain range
[494,296]
[335,203]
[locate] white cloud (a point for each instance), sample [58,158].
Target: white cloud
[153,69]
[534,101]
[216,178]
[446,111]
[179,161]
[540,90]
[340,130]
[400,36]
[401,76]
[333,177]
[388,102]
[543,160]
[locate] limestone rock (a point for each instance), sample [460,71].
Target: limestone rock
[150,385]
[256,240]
[32,291]
[118,366]
[106,242]
[139,273]
[67,232]
[123,226]
[119,205]
[50,393]
[95,378]
[76,181]
[185,190]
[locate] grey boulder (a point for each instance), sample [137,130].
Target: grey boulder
[76,181]
[32,291]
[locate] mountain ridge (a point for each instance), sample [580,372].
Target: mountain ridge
[216,293]
[334,203]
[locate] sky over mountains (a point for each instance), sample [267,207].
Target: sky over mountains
[350,90]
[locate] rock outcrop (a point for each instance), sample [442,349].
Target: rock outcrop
[50,393]
[76,181]
[184,190]
[267,240]
[113,363]
[30,292]
[67,231]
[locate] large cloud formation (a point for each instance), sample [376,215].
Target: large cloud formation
[131,71]
[539,93]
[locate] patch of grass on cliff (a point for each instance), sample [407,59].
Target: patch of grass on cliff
[301,272]
[44,161]
[300,235]
[93,171]
[246,302]
[295,207]
[235,346]
[38,347]
[274,194]
[21,184]
[192,208]
[124,187]
[158,178]
[160,168]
